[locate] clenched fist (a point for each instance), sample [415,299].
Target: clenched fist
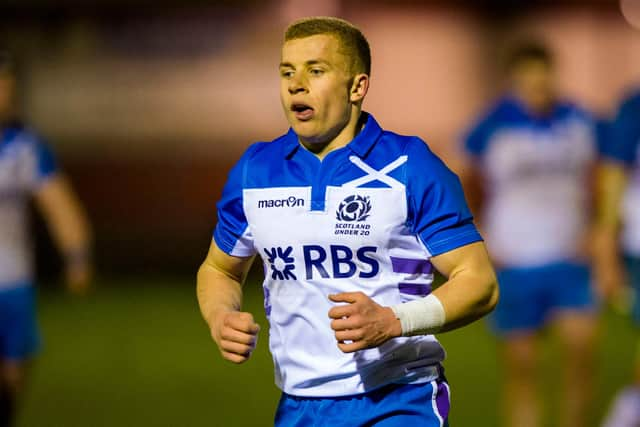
[236,334]
[361,323]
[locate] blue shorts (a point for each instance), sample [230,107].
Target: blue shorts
[19,336]
[633,271]
[394,405]
[529,297]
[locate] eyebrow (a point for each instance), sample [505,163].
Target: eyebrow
[307,63]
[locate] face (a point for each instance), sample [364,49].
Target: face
[533,83]
[317,90]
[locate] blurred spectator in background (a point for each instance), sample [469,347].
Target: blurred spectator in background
[619,209]
[531,156]
[27,168]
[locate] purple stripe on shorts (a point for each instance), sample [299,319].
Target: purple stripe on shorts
[420,289]
[442,400]
[411,266]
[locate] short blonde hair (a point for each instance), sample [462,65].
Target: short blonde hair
[354,44]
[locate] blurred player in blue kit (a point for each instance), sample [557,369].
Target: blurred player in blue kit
[28,170]
[533,155]
[351,222]
[619,235]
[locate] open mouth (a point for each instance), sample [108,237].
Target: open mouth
[302,111]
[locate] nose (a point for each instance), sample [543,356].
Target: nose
[297,84]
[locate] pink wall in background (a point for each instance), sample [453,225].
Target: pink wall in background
[433,71]
[149,112]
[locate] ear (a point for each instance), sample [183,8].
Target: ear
[359,87]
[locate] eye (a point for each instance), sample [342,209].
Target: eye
[316,71]
[287,74]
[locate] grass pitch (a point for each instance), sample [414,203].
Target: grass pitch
[136,353]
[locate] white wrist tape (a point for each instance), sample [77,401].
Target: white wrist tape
[420,317]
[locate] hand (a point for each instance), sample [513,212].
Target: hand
[78,279]
[236,335]
[363,322]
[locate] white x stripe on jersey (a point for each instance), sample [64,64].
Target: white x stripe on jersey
[376,175]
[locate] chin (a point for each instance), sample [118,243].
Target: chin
[303,130]
[310,138]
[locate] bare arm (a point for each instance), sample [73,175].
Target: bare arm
[611,179]
[470,292]
[68,224]
[611,182]
[219,289]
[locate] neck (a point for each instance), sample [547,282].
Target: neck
[537,107]
[342,138]
[7,116]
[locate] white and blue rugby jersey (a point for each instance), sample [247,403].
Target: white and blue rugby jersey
[625,147]
[25,163]
[366,218]
[535,170]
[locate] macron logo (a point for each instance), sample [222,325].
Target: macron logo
[289,202]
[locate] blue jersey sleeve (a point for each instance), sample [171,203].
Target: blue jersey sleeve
[625,132]
[475,142]
[603,136]
[38,162]
[46,163]
[438,212]
[42,160]
[232,233]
